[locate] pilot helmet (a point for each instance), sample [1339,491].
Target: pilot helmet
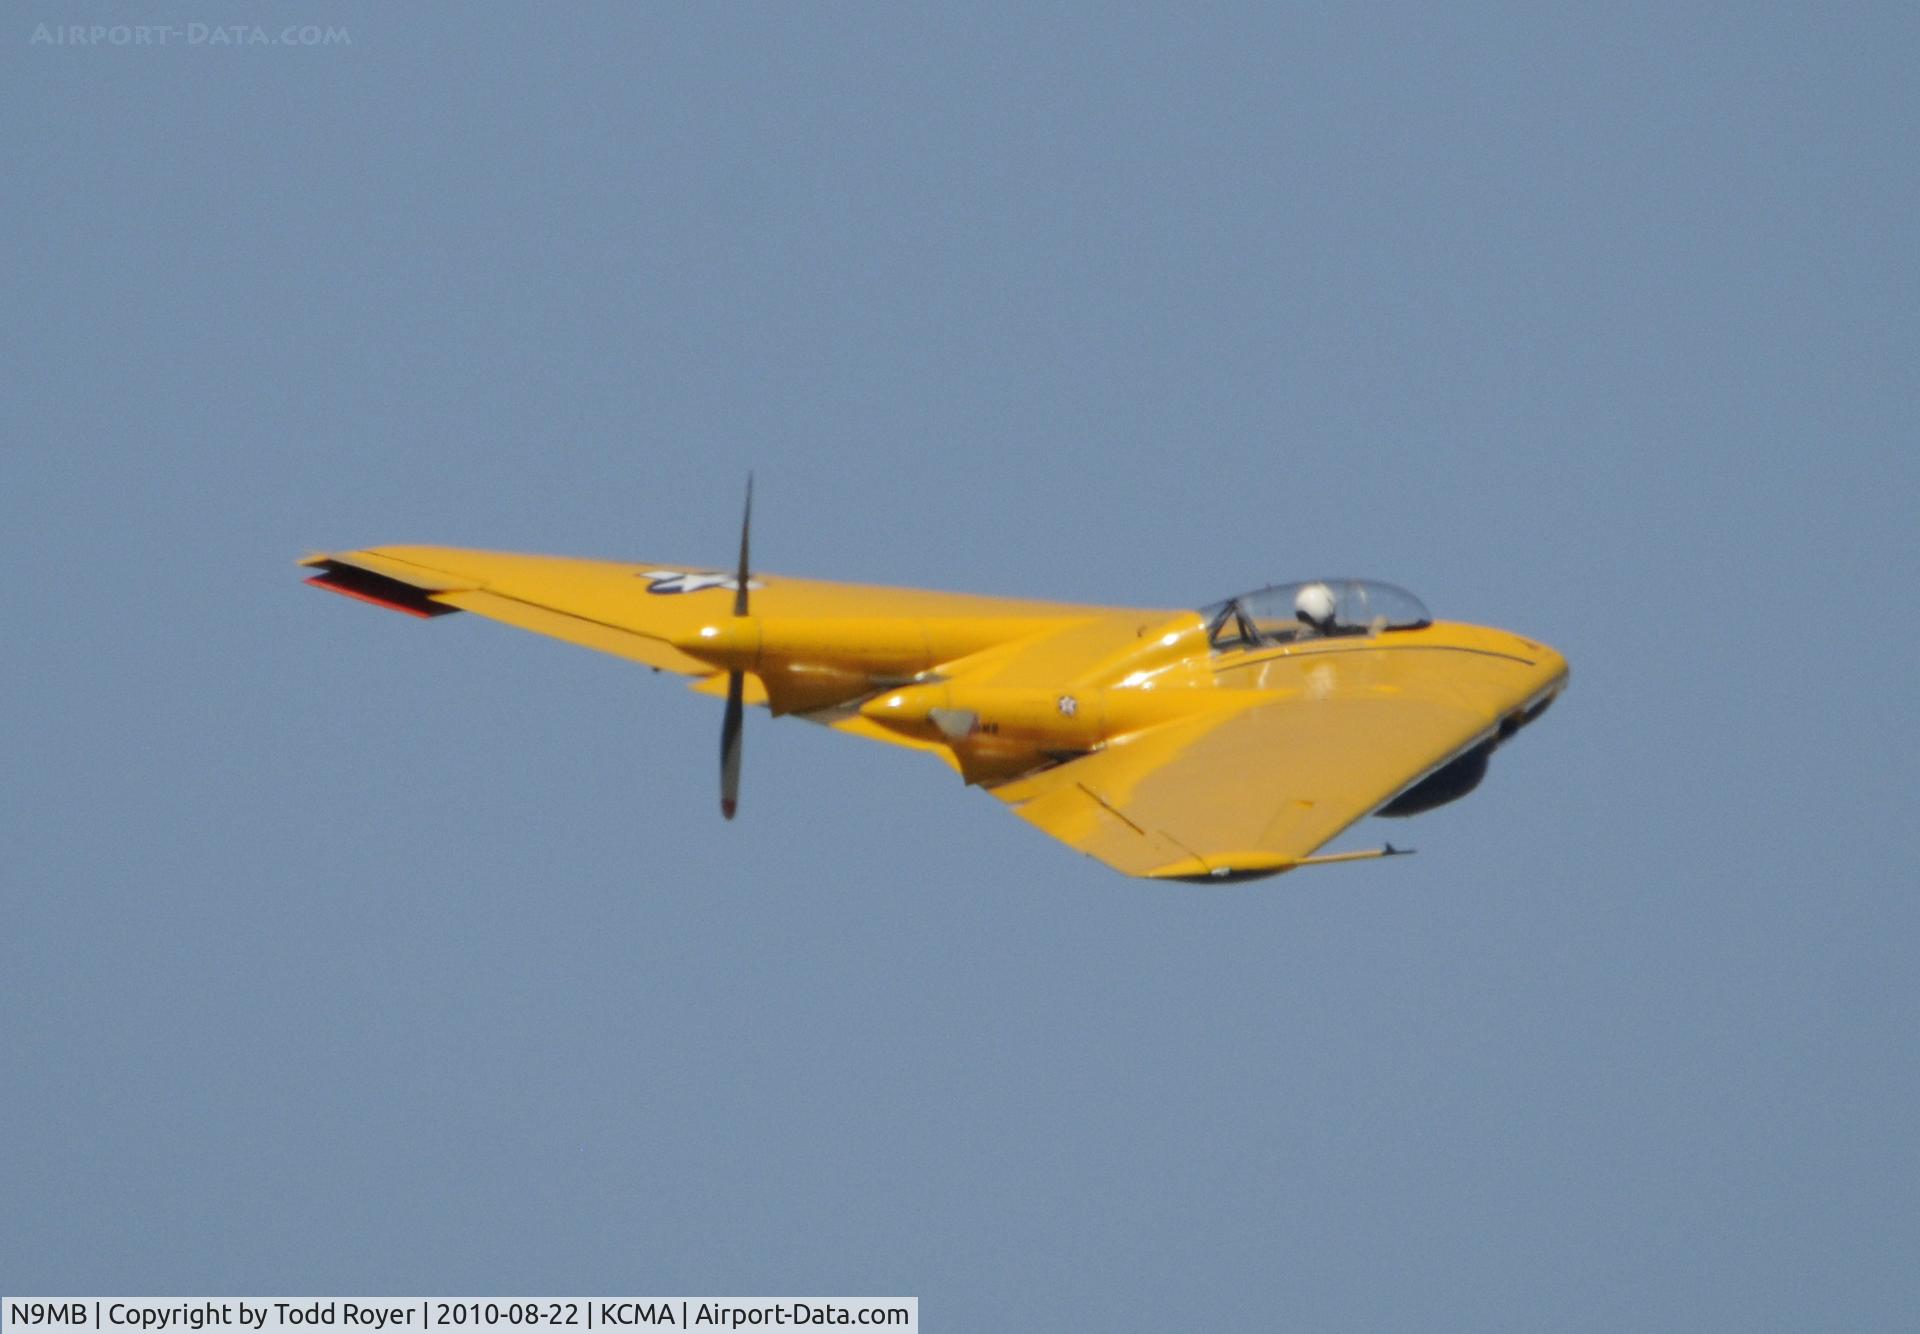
[1314,604]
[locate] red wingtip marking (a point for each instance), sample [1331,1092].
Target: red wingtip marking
[727,808]
[321,581]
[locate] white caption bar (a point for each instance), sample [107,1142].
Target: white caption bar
[526,1315]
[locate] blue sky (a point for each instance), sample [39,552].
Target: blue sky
[346,953]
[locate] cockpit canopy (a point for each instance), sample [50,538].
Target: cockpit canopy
[1287,613]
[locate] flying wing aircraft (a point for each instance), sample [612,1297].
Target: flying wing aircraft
[1214,743]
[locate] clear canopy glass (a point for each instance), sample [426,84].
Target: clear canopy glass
[1287,613]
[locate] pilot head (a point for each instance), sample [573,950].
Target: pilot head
[1314,605]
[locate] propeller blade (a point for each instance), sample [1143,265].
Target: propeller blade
[732,725]
[741,575]
[730,730]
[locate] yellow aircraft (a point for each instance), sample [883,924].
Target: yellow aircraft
[1222,743]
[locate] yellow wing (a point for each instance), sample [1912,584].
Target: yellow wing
[1251,791]
[642,611]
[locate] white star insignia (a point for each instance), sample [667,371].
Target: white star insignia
[679,581]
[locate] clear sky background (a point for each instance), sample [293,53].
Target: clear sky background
[348,953]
